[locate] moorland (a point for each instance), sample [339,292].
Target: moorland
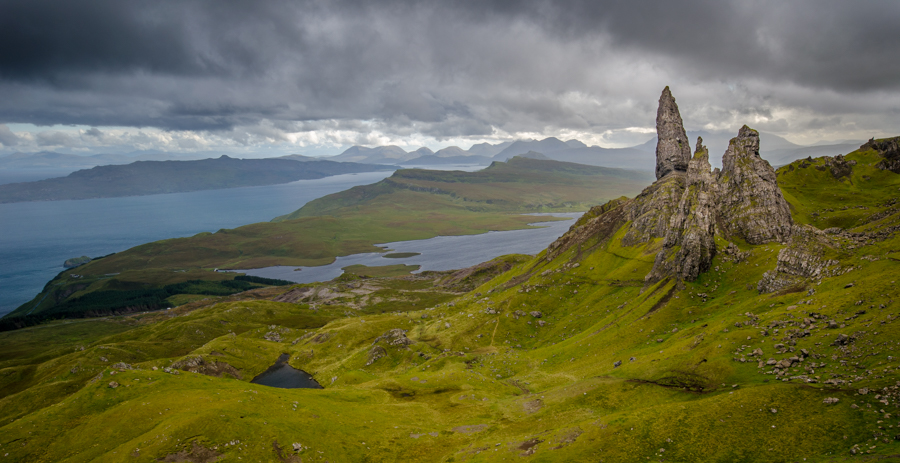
[737,314]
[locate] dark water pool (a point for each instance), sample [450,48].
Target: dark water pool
[285,376]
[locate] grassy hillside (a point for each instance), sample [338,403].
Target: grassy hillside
[412,204]
[570,358]
[522,184]
[157,177]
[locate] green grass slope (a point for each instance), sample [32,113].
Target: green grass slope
[570,358]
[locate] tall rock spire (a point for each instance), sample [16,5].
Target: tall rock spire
[673,152]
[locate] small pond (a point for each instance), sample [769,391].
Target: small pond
[285,376]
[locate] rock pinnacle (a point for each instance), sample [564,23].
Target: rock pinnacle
[673,152]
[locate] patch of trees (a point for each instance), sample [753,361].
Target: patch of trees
[112,302]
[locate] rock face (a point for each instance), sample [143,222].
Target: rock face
[889,149]
[673,152]
[801,260]
[197,364]
[690,243]
[750,203]
[651,211]
[840,167]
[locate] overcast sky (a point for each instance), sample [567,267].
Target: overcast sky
[258,77]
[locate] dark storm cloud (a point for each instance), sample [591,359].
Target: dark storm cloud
[440,68]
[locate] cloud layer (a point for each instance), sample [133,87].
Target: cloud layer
[242,74]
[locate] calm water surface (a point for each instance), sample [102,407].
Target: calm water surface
[438,253]
[37,237]
[285,376]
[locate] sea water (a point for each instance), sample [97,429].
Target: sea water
[37,237]
[438,253]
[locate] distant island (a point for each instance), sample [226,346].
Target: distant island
[157,177]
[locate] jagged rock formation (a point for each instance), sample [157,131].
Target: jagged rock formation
[840,167]
[690,204]
[690,243]
[651,211]
[197,364]
[889,149]
[673,152]
[751,205]
[801,260]
[601,220]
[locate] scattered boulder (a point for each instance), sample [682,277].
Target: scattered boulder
[842,340]
[830,400]
[113,384]
[394,337]
[536,314]
[375,353]
[197,364]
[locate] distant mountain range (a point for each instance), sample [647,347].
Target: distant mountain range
[156,177]
[777,150]
[772,148]
[62,161]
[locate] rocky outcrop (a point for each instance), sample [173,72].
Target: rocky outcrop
[673,151]
[839,167]
[690,205]
[690,243]
[600,222]
[651,211]
[889,149]
[394,337]
[375,353]
[800,261]
[750,203]
[76,261]
[198,364]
